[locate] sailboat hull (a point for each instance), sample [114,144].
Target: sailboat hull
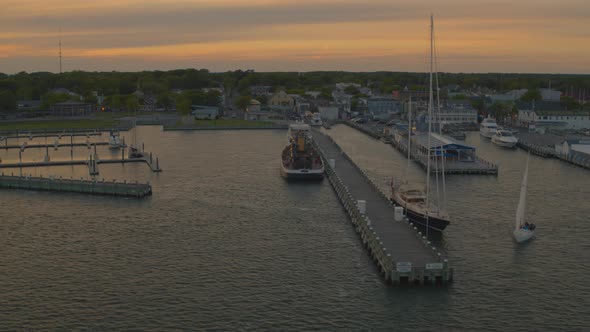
[433,223]
[522,235]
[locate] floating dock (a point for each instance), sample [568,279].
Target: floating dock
[113,188]
[402,253]
[154,165]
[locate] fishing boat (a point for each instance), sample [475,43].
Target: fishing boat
[504,138]
[523,230]
[488,127]
[114,140]
[300,160]
[417,204]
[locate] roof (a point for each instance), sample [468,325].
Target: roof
[72,103]
[254,102]
[540,105]
[437,141]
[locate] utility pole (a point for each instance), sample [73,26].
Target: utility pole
[60,56]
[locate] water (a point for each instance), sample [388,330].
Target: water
[225,243]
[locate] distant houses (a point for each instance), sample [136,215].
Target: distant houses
[551,115]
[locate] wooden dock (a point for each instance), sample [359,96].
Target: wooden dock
[113,188]
[25,146]
[400,250]
[477,166]
[153,164]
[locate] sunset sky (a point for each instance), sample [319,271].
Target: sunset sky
[543,36]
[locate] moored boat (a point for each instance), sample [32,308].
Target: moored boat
[316,120]
[488,127]
[413,201]
[504,138]
[300,160]
[114,140]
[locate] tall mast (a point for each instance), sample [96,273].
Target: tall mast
[409,130]
[60,68]
[430,102]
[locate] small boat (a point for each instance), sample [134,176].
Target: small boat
[488,127]
[114,140]
[134,153]
[504,138]
[523,230]
[300,160]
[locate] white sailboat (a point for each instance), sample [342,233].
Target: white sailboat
[523,230]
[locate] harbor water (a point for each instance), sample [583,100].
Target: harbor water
[225,243]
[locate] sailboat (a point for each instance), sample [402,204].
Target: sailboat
[134,152]
[523,230]
[417,204]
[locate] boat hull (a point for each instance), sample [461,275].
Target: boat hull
[522,235]
[433,223]
[486,133]
[504,144]
[302,174]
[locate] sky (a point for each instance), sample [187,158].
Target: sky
[524,36]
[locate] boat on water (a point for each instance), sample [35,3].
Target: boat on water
[316,120]
[488,127]
[418,206]
[115,140]
[300,160]
[523,230]
[504,138]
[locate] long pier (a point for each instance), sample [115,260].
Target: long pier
[92,163]
[402,253]
[48,145]
[113,188]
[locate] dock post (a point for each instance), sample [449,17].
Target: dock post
[157,163]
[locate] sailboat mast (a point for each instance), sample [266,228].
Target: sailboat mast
[430,102]
[409,130]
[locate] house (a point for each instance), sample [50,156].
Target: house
[383,107]
[281,99]
[550,95]
[71,108]
[551,115]
[255,113]
[328,112]
[204,112]
[260,90]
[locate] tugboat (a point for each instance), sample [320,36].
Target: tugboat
[300,160]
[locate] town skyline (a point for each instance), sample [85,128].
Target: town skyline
[295,36]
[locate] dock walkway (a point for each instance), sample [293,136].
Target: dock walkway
[113,188]
[402,253]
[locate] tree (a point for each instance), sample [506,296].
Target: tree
[8,102]
[131,103]
[531,94]
[242,102]
[183,105]
[351,90]
[165,100]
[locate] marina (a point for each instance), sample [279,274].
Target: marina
[403,254]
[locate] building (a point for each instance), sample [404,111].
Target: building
[71,108]
[204,112]
[550,95]
[28,105]
[551,115]
[328,112]
[383,107]
[260,90]
[254,112]
[453,151]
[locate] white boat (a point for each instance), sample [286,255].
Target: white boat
[316,121]
[523,230]
[504,138]
[114,140]
[488,127]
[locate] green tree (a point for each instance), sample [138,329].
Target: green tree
[183,105]
[7,101]
[531,94]
[54,98]
[351,90]
[131,103]
[242,102]
[165,100]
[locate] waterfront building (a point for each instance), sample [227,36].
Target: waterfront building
[456,112]
[573,146]
[260,90]
[439,144]
[28,105]
[551,115]
[383,107]
[328,112]
[281,99]
[204,112]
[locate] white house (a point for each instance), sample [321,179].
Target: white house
[551,115]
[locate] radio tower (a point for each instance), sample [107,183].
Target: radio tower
[60,50]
